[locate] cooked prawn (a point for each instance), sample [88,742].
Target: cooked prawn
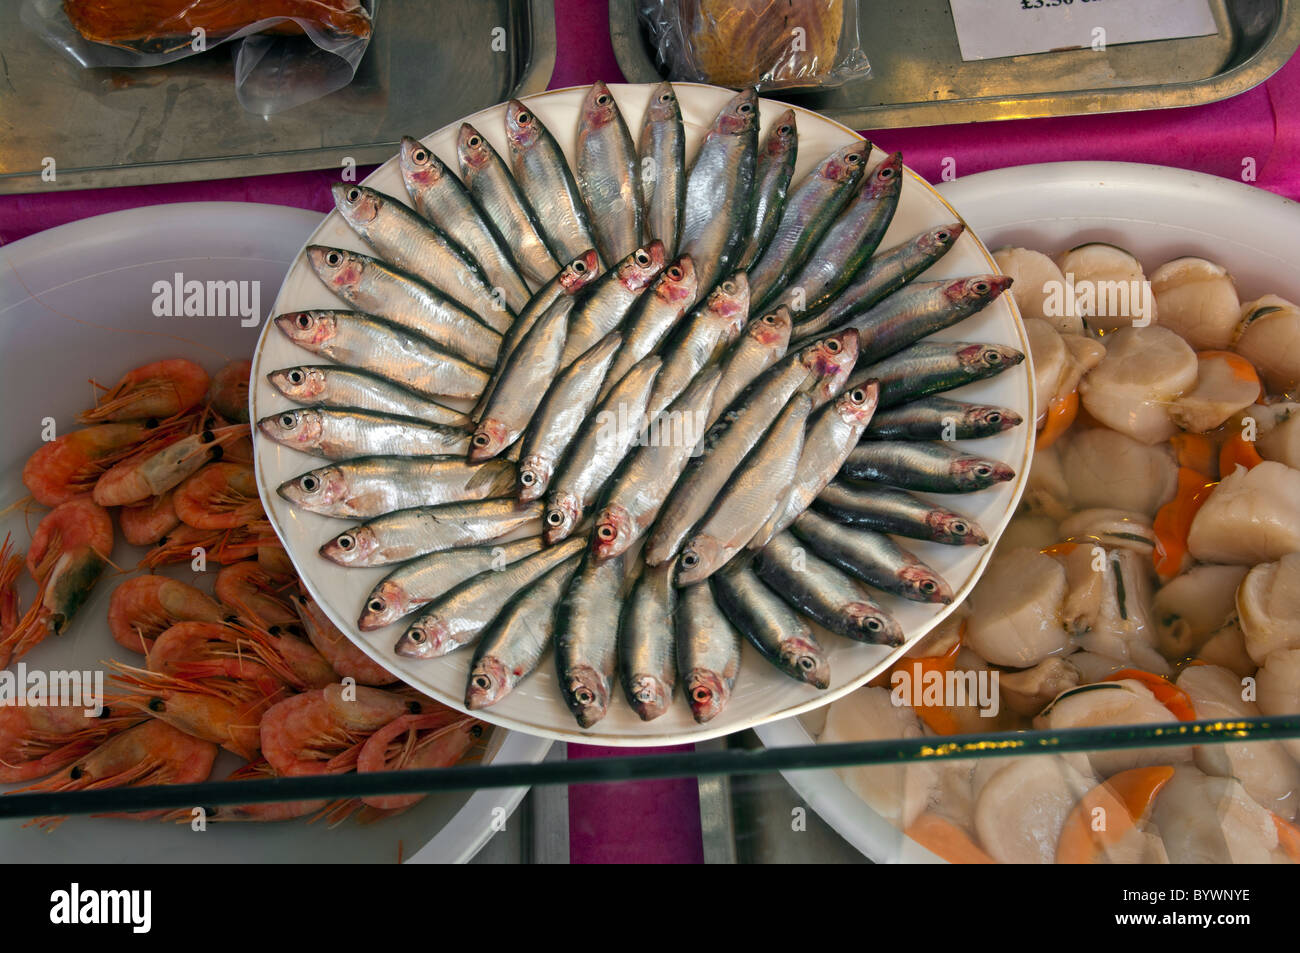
[152,752]
[36,741]
[266,811]
[69,467]
[158,468]
[221,546]
[219,496]
[247,589]
[143,608]
[347,660]
[69,551]
[274,561]
[208,650]
[11,564]
[143,524]
[228,393]
[161,389]
[320,732]
[438,739]
[209,710]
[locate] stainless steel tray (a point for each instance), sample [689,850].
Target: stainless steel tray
[428,64]
[919,77]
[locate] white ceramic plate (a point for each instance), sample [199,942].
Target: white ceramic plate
[76,303]
[1156,213]
[761,692]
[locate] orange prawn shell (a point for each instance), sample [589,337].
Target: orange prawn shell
[219,496]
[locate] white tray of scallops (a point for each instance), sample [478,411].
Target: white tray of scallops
[1164,301]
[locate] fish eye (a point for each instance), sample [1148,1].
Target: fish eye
[353,194]
[524,118]
[833,345]
[959,527]
[928,586]
[853,158]
[288,421]
[602,100]
[579,266]
[645,695]
[745,109]
[981,287]
[334,258]
[729,287]
[296,377]
[419,155]
[309,483]
[481,439]
[554,518]
[783,129]
[526,478]
[991,358]
[304,321]
[858,395]
[345,541]
[675,273]
[473,142]
[994,418]
[417,636]
[605,532]
[701,694]
[943,235]
[887,172]
[769,318]
[806,663]
[690,561]
[584,696]
[376,605]
[641,257]
[983,470]
[874,625]
[482,682]
[665,97]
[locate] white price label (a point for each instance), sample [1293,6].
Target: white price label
[987,29]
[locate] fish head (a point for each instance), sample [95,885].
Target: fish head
[663,104]
[489,681]
[729,303]
[586,692]
[598,108]
[707,692]
[299,428]
[523,129]
[356,203]
[642,266]
[315,488]
[311,329]
[772,330]
[386,604]
[803,658]
[873,624]
[845,164]
[886,178]
[489,439]
[472,149]
[954,529]
[924,584]
[977,473]
[562,515]
[857,405]
[740,115]
[303,384]
[351,547]
[699,558]
[578,273]
[613,533]
[335,266]
[976,290]
[831,360]
[534,476]
[993,419]
[938,240]
[784,135]
[989,355]
[426,637]
[419,164]
[677,283]
[648,696]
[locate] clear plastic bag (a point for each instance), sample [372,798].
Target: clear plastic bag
[289,51]
[771,44]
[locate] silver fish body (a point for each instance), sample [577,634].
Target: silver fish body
[938,418]
[921,309]
[662,148]
[459,617]
[599,446]
[603,306]
[718,187]
[647,476]
[884,274]
[377,288]
[701,339]
[823,593]
[494,188]
[333,385]
[443,200]
[367,487]
[406,534]
[750,496]
[887,509]
[769,624]
[929,367]
[410,243]
[763,341]
[653,316]
[873,558]
[708,652]
[543,173]
[646,646]
[418,582]
[586,636]
[563,409]
[923,465]
[772,173]
[512,647]
[608,174]
[394,353]
[344,434]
